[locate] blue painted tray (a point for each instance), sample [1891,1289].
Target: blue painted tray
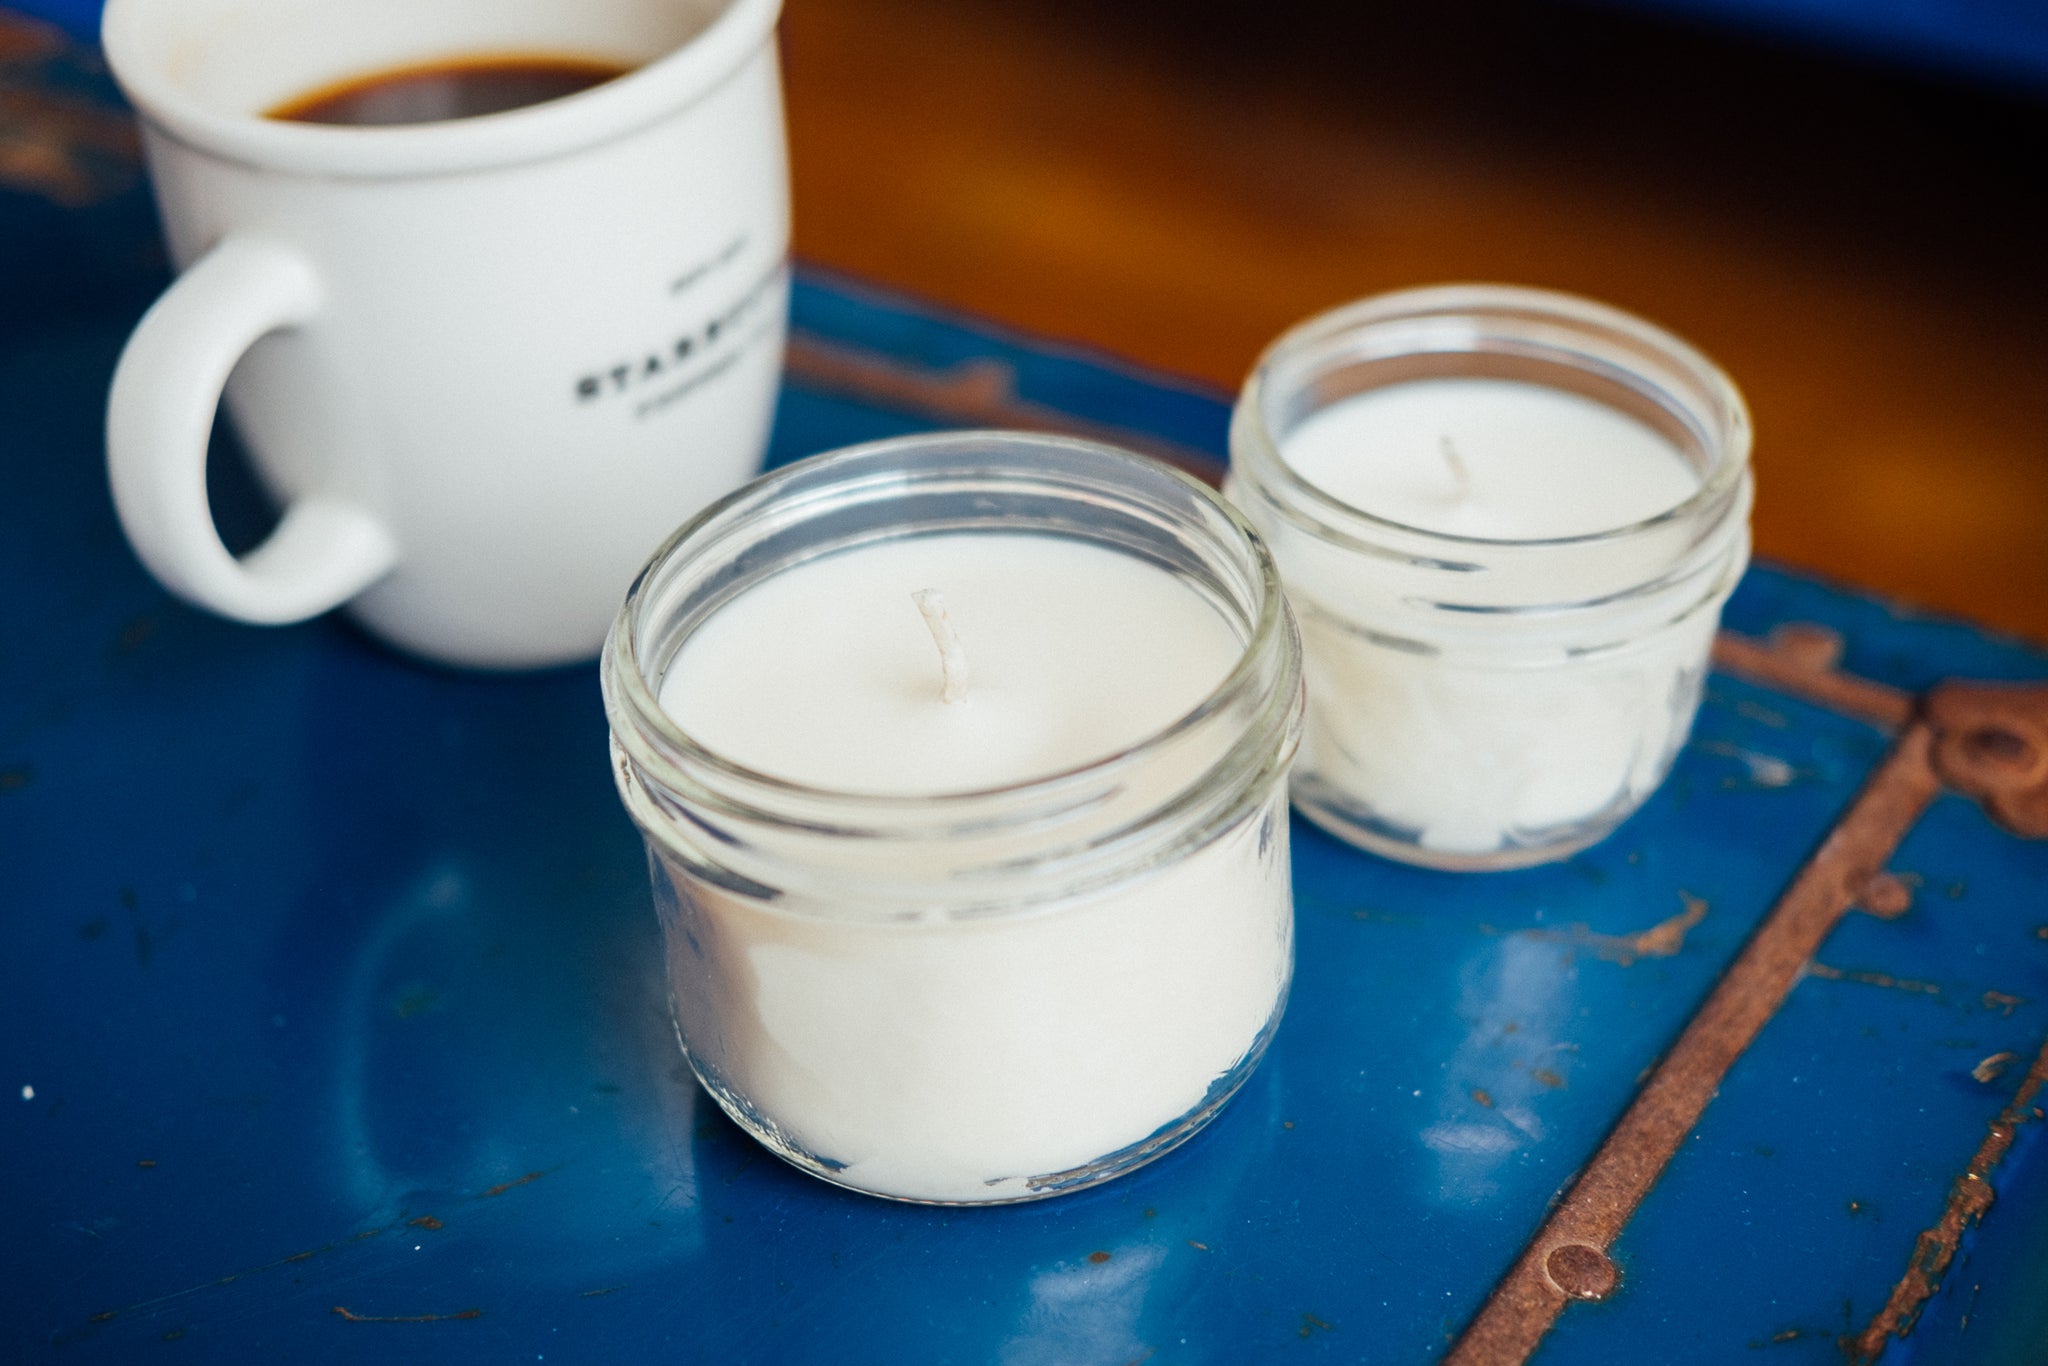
[331,1026]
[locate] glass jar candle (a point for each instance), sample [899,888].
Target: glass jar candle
[1507,520]
[961,764]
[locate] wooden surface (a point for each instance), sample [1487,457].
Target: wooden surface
[1861,249]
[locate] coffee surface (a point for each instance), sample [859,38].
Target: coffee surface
[455,89]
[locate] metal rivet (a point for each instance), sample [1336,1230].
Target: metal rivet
[1999,746]
[1582,1272]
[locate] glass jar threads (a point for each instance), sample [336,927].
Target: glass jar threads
[961,761]
[1507,520]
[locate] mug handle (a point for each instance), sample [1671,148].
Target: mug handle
[160,415]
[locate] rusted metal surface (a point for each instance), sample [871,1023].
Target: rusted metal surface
[1991,744]
[1598,1204]
[1885,895]
[975,393]
[1662,940]
[70,150]
[1801,659]
[1580,1272]
[1935,1248]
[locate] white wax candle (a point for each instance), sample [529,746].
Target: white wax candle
[957,1059]
[1491,458]
[827,675]
[1474,748]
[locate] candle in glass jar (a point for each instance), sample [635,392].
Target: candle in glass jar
[985,894]
[1507,520]
[952,1061]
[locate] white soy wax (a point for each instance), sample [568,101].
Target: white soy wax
[1472,759]
[827,675]
[1073,973]
[1496,459]
[1508,583]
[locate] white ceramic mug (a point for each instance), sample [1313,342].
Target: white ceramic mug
[484,365]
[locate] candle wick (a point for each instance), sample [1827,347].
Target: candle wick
[1459,470]
[952,656]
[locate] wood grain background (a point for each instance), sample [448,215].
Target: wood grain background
[1864,249]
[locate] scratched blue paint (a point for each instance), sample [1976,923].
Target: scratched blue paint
[1991,1306]
[1834,1140]
[340,943]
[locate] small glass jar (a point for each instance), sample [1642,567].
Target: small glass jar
[1479,703]
[985,996]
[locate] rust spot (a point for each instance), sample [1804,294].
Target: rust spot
[1935,1248]
[1872,979]
[2004,1004]
[2041,931]
[103,1316]
[301,1256]
[1482,1097]
[1662,940]
[1855,1209]
[1886,895]
[1581,1271]
[353,1317]
[1309,1323]
[504,1186]
[13,779]
[145,1162]
[1287,1124]
[1807,644]
[1997,745]
[74,151]
[24,40]
[1199,1247]
[1098,1257]
[1789,1335]
[606,1290]
[425,1221]
[1993,1067]
[1667,937]
[1991,744]
[1548,1078]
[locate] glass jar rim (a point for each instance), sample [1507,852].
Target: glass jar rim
[628,689]
[1256,454]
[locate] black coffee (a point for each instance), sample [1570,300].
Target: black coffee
[458,89]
